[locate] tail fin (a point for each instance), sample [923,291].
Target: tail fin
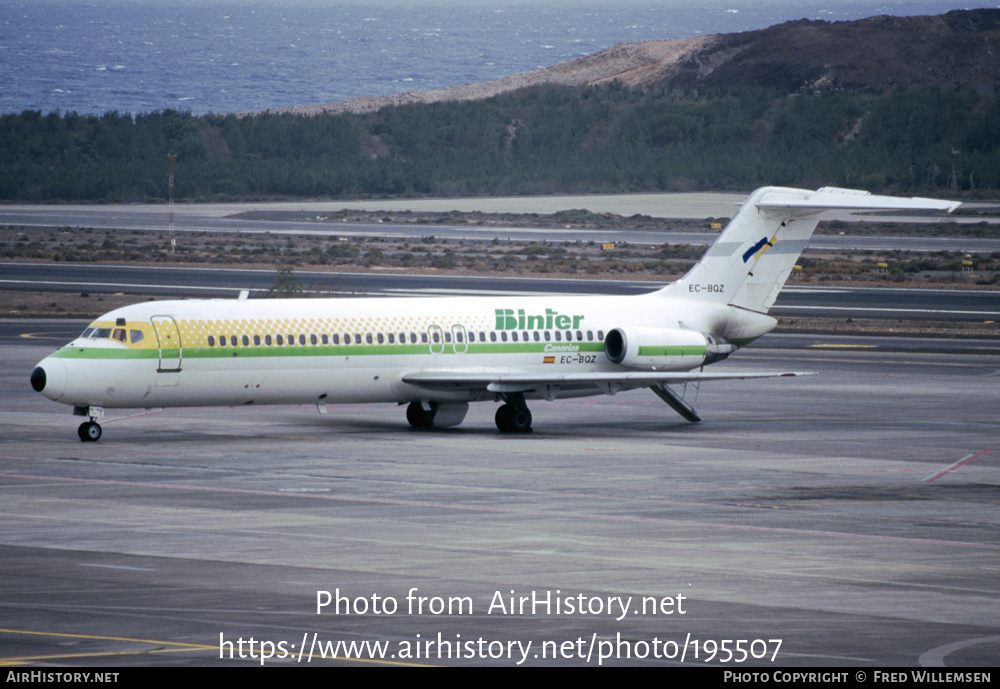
[749,263]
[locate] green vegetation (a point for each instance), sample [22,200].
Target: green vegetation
[534,141]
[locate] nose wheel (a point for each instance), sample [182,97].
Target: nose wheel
[89,431]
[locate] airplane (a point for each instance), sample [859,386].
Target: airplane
[438,354]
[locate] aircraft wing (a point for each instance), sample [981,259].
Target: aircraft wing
[548,385]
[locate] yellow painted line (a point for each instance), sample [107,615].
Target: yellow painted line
[843,346]
[110,654]
[182,646]
[98,654]
[888,362]
[102,638]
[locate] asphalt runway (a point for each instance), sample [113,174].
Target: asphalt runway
[843,519]
[798,301]
[216,217]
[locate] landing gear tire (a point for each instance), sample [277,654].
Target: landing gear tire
[512,420]
[417,415]
[89,431]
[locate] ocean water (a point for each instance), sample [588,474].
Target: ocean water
[95,56]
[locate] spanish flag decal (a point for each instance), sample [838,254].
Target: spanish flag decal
[549,360]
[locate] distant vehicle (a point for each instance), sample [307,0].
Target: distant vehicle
[439,354]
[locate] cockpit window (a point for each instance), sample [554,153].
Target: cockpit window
[135,336]
[101,332]
[118,334]
[87,332]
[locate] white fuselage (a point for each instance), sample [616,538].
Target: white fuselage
[438,354]
[296,351]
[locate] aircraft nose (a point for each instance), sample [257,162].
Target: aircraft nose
[49,378]
[38,379]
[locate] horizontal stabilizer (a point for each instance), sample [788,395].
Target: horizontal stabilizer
[834,198]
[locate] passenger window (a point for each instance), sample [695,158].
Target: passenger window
[326,339]
[246,341]
[280,340]
[381,339]
[267,340]
[548,336]
[256,340]
[513,336]
[537,336]
[493,337]
[232,340]
[211,341]
[222,340]
[312,340]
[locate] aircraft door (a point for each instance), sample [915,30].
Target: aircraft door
[436,336]
[168,339]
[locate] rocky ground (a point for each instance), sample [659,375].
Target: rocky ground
[429,254]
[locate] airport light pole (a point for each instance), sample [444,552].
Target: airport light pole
[170,202]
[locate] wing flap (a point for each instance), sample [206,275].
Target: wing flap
[503,382]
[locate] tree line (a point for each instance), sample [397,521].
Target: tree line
[535,141]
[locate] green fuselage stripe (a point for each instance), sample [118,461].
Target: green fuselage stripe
[673,350]
[327,351]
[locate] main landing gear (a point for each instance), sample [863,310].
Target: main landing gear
[514,416]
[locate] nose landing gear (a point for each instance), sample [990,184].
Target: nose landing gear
[89,431]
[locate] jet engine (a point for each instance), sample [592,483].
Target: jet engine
[664,349]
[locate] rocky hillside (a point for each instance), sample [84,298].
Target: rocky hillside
[878,53]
